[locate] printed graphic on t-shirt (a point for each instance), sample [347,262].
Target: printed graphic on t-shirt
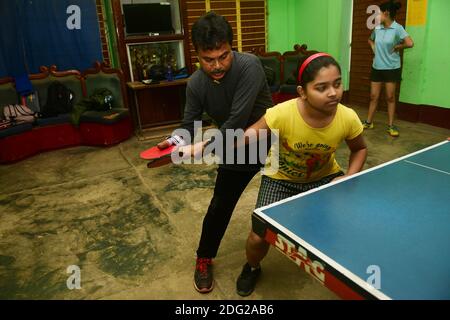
[303,159]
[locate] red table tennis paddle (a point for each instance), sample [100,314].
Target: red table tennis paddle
[156,153]
[158,157]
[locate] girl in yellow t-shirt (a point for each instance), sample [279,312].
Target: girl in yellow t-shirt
[310,129]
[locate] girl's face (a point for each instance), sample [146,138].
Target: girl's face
[325,91]
[385,17]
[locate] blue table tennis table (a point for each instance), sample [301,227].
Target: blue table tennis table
[383,233]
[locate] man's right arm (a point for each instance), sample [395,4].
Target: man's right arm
[192,112]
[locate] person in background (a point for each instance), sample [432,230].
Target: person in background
[386,41]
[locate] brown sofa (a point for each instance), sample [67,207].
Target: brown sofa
[95,128]
[285,66]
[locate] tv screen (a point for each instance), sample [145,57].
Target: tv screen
[147,18]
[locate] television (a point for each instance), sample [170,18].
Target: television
[146,18]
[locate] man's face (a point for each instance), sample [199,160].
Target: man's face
[216,62]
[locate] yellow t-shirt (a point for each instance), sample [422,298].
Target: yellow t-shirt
[307,154]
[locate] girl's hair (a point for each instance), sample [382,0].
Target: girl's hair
[211,31]
[310,71]
[392,7]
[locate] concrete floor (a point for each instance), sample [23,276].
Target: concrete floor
[133,231]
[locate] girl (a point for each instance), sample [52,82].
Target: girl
[386,42]
[310,129]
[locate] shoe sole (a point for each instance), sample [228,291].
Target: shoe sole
[244,294]
[204,290]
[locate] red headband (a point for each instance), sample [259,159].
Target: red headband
[307,61]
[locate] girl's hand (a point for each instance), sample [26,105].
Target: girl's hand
[339,178]
[397,48]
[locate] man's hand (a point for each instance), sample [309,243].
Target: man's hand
[172,140]
[192,150]
[163,144]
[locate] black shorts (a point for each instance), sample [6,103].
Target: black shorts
[393,75]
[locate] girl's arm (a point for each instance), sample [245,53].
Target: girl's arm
[407,43]
[252,133]
[358,154]
[258,125]
[372,44]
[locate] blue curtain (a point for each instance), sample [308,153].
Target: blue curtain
[12,53]
[46,32]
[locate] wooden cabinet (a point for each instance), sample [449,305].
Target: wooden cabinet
[157,104]
[149,54]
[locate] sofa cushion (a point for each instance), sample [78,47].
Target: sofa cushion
[70,81]
[61,118]
[290,69]
[288,88]
[274,64]
[106,117]
[16,129]
[109,81]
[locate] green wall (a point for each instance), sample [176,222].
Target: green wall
[426,67]
[110,34]
[282,24]
[323,25]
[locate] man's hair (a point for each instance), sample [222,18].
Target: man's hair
[211,31]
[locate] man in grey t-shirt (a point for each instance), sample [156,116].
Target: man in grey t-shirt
[232,89]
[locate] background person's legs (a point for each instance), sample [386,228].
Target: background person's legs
[375,89]
[390,100]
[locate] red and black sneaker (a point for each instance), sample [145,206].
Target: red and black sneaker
[203,276]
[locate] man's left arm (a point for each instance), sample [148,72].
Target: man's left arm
[247,89]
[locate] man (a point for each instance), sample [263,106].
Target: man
[232,89]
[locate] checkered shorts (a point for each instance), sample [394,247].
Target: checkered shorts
[273,190]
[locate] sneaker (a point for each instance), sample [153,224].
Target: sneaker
[203,276]
[367,125]
[393,131]
[246,282]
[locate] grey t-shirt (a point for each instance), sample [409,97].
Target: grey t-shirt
[237,101]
